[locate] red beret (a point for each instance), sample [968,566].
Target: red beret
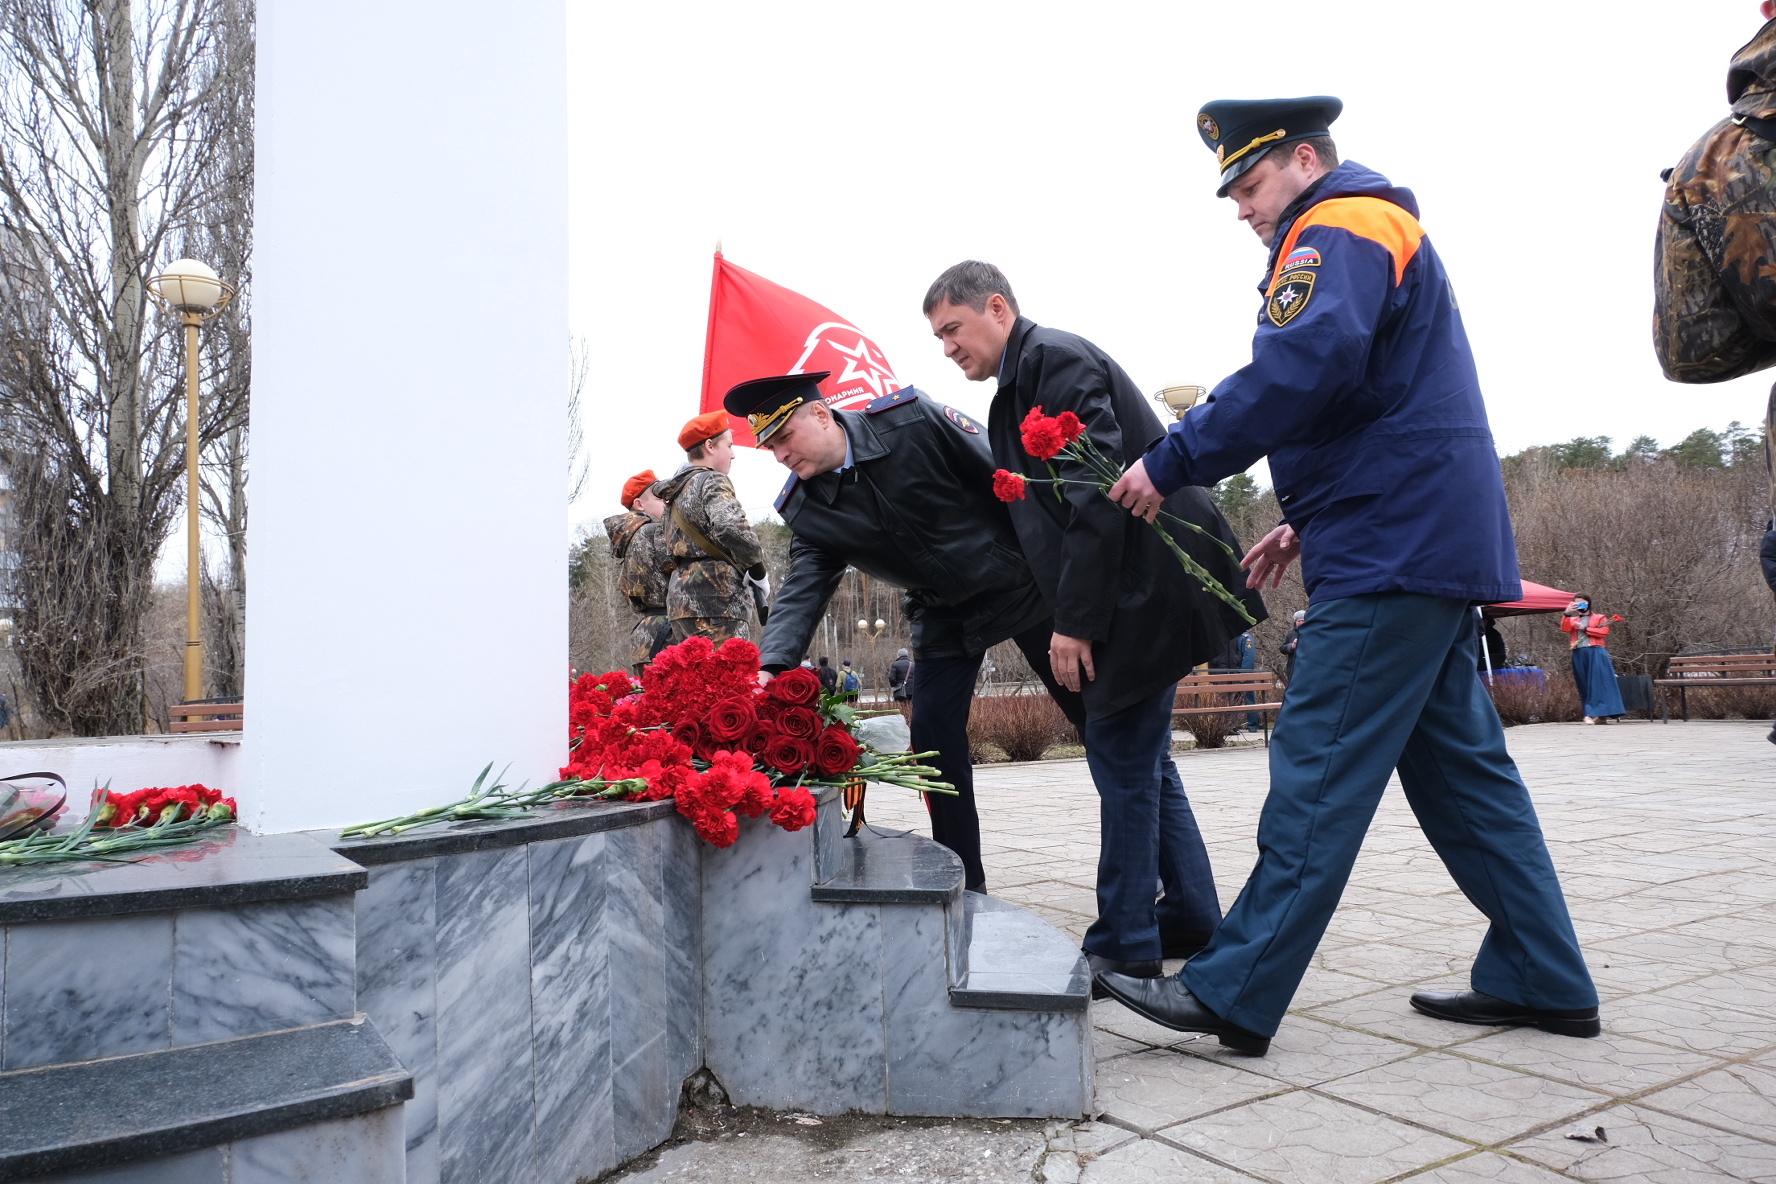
[707,426]
[633,487]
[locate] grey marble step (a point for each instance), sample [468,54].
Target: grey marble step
[891,868]
[998,955]
[1014,960]
[91,1114]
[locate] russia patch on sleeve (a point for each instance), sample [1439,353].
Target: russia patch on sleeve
[1289,295]
[961,421]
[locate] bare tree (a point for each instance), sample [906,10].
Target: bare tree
[115,116]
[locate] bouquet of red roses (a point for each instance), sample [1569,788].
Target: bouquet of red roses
[700,730]
[1064,435]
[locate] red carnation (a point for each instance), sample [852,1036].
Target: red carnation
[1069,426]
[836,753]
[798,688]
[788,754]
[799,722]
[718,828]
[1008,486]
[1043,435]
[795,808]
[732,719]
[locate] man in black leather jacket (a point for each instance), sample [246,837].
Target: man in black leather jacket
[903,490]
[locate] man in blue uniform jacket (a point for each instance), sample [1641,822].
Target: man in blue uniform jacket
[1363,394]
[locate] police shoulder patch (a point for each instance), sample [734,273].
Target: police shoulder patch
[904,395]
[788,488]
[1289,295]
[961,421]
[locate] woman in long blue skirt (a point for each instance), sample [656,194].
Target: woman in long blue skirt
[1592,669]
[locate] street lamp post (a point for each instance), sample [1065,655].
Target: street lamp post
[194,291]
[874,634]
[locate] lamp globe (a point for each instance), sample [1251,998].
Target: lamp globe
[189,285]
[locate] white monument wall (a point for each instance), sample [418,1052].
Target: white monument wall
[407,615]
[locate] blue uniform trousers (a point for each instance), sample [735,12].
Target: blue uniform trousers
[1388,680]
[1147,837]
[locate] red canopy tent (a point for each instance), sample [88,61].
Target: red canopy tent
[1537,598]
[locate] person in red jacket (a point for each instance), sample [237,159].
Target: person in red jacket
[1591,661]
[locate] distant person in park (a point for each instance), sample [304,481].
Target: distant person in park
[848,684]
[1362,392]
[1129,621]
[1292,644]
[636,543]
[900,676]
[829,678]
[718,573]
[1592,670]
[902,489]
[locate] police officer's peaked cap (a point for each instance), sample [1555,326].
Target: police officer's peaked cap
[1240,131]
[768,402]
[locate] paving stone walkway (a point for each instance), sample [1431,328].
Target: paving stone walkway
[1665,837]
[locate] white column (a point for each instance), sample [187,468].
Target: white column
[408,605]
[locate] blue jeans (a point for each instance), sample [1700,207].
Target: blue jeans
[1388,681]
[1148,837]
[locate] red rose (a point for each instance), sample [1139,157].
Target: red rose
[757,737]
[795,808]
[799,722]
[836,752]
[1008,486]
[732,719]
[1043,437]
[788,754]
[798,688]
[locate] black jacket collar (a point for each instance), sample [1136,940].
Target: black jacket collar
[866,445]
[1014,351]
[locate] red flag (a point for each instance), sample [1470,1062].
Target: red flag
[757,328]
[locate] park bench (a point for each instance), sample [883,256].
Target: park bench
[224,716]
[1198,694]
[1713,672]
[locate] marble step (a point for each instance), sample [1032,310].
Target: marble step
[92,1114]
[1014,960]
[999,956]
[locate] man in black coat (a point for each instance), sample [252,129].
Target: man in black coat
[897,677]
[1129,622]
[903,490]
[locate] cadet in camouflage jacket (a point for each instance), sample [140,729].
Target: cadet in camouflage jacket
[708,595]
[1714,316]
[637,544]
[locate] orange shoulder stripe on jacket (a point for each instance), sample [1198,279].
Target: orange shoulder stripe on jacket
[1372,218]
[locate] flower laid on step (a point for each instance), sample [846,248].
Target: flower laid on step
[1063,436]
[120,824]
[700,730]
[146,807]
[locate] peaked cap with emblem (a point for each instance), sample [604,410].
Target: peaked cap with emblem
[766,403]
[1240,131]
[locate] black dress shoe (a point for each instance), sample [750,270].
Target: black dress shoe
[1169,1003]
[1145,968]
[1183,943]
[1472,1007]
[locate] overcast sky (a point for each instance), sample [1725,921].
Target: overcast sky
[852,152]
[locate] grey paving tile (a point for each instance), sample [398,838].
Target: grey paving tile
[1387,1012]
[1739,1097]
[1751,990]
[1092,1139]
[1717,1031]
[1118,1020]
[1647,1147]
[1145,1161]
[1465,1098]
[1488,1167]
[1308,1052]
[1304,1138]
[1611,1062]
[1387,963]
[1154,1089]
